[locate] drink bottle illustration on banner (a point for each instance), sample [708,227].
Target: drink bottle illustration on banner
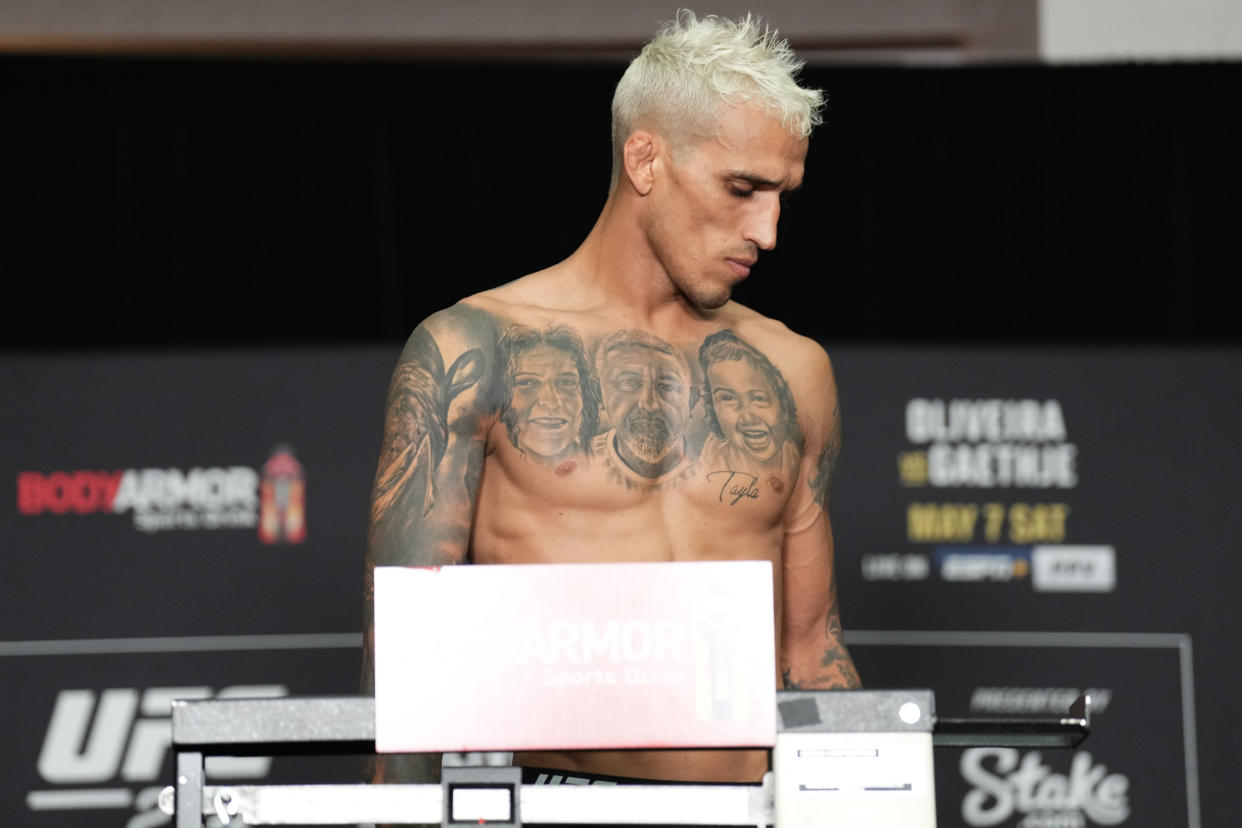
[282,498]
[721,698]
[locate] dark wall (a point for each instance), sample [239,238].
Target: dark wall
[157,202]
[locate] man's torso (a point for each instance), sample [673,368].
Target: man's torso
[613,443]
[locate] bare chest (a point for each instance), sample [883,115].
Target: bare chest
[599,506]
[611,438]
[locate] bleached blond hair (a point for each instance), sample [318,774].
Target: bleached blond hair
[694,68]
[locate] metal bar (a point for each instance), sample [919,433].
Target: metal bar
[1067,732]
[1054,733]
[282,726]
[549,804]
[646,804]
[334,804]
[189,789]
[346,724]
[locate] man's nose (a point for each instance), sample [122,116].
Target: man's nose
[762,228]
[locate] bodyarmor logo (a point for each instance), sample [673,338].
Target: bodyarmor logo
[164,499]
[159,499]
[108,750]
[1045,799]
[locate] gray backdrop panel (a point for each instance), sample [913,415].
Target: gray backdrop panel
[1155,480]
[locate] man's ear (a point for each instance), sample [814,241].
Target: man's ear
[638,157]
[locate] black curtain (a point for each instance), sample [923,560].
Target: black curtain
[149,203]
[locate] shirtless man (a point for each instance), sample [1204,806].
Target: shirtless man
[484,460]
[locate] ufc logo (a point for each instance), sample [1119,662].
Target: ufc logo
[94,738]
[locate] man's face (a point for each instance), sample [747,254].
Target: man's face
[718,202]
[747,407]
[647,396]
[547,398]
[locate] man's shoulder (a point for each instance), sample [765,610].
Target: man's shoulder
[482,316]
[802,362]
[530,301]
[482,319]
[544,291]
[774,337]
[461,326]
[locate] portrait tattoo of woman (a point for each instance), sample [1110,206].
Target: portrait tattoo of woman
[551,410]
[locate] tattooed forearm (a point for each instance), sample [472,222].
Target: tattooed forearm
[787,681]
[826,664]
[841,673]
[840,670]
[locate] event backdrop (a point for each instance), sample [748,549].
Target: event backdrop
[1013,527]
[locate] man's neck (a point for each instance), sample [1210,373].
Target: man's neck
[617,268]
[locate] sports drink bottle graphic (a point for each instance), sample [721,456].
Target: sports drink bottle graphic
[718,627]
[282,498]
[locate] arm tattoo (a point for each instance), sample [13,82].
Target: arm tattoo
[788,682]
[836,660]
[430,459]
[826,465]
[835,669]
[417,433]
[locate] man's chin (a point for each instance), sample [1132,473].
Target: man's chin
[710,301]
[705,296]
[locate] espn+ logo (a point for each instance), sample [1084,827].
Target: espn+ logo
[108,750]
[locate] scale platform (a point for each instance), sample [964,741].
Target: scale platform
[837,753]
